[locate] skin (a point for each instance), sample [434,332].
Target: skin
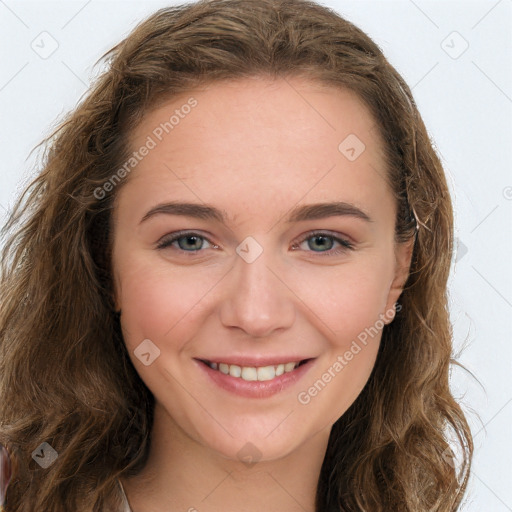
[255,149]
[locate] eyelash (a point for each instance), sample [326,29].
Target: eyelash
[345,244]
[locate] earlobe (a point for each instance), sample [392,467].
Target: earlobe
[403,258]
[115,292]
[115,301]
[116,305]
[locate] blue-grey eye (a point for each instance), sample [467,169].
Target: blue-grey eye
[195,242]
[324,243]
[189,242]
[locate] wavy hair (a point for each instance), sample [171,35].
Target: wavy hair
[65,375]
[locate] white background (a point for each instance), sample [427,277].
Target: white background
[465,98]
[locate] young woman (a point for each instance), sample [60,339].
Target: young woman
[226,290]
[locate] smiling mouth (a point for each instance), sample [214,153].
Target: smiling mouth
[255,373]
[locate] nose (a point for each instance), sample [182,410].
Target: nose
[258,299]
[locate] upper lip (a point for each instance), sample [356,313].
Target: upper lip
[252,361]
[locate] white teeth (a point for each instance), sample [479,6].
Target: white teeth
[235,371]
[288,367]
[251,374]
[266,373]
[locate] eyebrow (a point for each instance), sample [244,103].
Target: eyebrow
[298,214]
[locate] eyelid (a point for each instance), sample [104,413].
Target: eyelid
[346,245]
[169,238]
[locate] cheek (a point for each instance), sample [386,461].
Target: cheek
[346,300]
[349,304]
[160,302]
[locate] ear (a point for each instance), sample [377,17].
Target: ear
[403,257]
[115,292]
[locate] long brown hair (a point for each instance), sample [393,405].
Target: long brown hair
[65,376]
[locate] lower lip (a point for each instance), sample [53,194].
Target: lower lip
[255,389]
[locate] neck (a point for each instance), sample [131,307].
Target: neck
[182,474]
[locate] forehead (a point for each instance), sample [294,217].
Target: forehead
[276,112]
[263,141]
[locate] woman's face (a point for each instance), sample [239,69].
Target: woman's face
[256,230]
